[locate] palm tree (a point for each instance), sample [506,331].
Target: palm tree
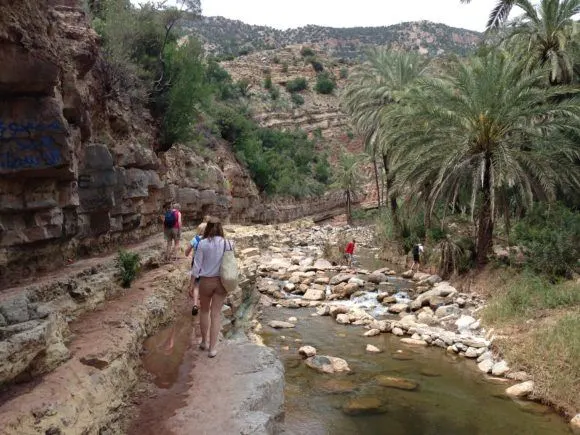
[500,12]
[348,178]
[487,125]
[547,34]
[376,87]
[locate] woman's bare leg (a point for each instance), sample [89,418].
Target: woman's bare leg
[217,302]
[205,297]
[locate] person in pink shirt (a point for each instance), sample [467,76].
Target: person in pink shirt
[172,231]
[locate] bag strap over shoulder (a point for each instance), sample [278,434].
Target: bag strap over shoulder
[225,244]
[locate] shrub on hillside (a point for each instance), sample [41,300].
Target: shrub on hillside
[307,51]
[285,67]
[243,86]
[317,65]
[268,82]
[324,84]
[297,85]
[343,73]
[297,99]
[275,93]
[550,235]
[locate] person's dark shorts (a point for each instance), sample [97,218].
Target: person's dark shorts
[416,258]
[172,234]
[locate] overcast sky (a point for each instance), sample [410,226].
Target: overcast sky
[337,13]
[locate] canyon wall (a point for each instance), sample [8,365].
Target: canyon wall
[79,171]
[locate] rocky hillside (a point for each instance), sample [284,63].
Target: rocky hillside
[317,114]
[230,37]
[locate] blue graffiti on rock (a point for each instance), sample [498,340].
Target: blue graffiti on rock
[29,145]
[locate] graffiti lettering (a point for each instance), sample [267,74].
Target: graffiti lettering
[30,153]
[13,129]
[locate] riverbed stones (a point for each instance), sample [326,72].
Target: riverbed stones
[322,264]
[471,352]
[322,280]
[372,333]
[447,310]
[335,310]
[279,324]
[314,295]
[408,274]
[575,424]
[427,318]
[398,308]
[485,366]
[366,405]
[372,349]
[414,342]
[377,278]
[327,364]
[356,281]
[398,331]
[464,322]
[398,383]
[323,310]
[307,351]
[341,277]
[521,390]
[343,319]
[500,368]
[335,385]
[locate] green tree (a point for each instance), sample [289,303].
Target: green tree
[487,125]
[186,97]
[348,178]
[376,87]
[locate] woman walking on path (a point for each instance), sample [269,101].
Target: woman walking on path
[212,294]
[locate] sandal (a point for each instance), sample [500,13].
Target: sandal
[194,310]
[203,346]
[212,353]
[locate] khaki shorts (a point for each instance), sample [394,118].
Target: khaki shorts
[172,234]
[211,285]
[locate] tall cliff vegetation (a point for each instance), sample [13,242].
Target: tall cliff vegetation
[150,58]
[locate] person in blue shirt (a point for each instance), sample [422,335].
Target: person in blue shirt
[194,283]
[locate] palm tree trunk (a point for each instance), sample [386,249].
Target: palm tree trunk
[348,208]
[377,181]
[389,194]
[485,218]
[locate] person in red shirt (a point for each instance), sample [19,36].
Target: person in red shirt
[349,252]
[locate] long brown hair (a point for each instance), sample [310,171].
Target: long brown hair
[213,229]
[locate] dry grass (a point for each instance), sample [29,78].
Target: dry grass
[539,325]
[549,349]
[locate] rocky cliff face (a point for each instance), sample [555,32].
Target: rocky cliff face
[79,172]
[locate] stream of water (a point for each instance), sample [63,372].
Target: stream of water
[453,397]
